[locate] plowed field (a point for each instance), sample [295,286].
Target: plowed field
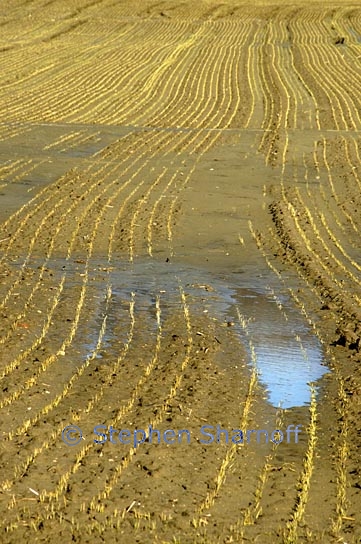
[180,195]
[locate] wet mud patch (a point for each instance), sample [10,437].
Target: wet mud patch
[256,310]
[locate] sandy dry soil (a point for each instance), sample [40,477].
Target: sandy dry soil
[180,233]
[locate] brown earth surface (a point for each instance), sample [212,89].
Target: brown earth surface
[180,247]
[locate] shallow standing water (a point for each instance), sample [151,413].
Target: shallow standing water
[288,356]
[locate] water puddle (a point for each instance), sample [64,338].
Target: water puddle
[288,355]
